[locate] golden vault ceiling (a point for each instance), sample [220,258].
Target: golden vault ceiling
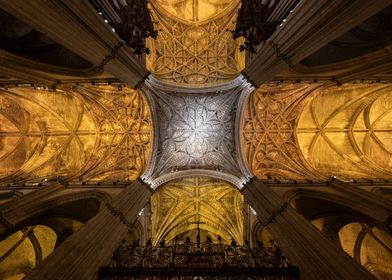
[90,133]
[313,131]
[267,133]
[24,250]
[346,131]
[106,133]
[194,46]
[177,206]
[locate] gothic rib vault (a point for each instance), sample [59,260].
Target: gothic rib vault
[196,131]
[87,134]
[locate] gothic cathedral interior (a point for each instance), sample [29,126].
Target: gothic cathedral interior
[195,139]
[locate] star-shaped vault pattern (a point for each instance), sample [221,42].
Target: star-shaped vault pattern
[196,131]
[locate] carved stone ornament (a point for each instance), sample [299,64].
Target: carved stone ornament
[196,132]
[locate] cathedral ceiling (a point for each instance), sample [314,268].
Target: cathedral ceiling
[194,46]
[313,131]
[178,205]
[346,131]
[196,131]
[267,132]
[90,133]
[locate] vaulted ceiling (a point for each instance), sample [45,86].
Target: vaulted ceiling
[87,134]
[65,108]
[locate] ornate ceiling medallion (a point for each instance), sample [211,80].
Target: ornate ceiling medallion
[196,131]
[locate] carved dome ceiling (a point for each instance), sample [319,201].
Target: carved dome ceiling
[195,132]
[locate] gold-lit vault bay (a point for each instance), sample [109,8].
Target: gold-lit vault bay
[267,131]
[196,10]
[178,205]
[194,46]
[298,131]
[347,131]
[90,133]
[24,250]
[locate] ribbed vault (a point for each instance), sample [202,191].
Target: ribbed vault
[346,131]
[90,133]
[309,130]
[178,205]
[194,46]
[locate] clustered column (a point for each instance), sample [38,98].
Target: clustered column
[77,26]
[302,242]
[80,256]
[14,213]
[312,25]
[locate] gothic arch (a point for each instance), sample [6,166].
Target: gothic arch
[51,208]
[343,202]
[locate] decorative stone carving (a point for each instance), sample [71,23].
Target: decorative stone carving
[267,131]
[178,205]
[196,130]
[194,49]
[91,133]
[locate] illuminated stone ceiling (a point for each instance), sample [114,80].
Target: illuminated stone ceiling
[178,205]
[311,131]
[91,133]
[194,46]
[196,132]
[194,11]
[347,131]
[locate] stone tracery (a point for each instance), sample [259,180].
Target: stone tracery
[196,51]
[275,134]
[180,204]
[267,132]
[288,132]
[88,134]
[196,131]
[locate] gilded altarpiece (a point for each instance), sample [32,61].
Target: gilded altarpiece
[179,205]
[194,45]
[89,133]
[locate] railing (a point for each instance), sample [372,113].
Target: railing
[200,260]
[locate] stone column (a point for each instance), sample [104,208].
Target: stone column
[17,67]
[78,27]
[368,203]
[303,244]
[15,212]
[80,256]
[310,26]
